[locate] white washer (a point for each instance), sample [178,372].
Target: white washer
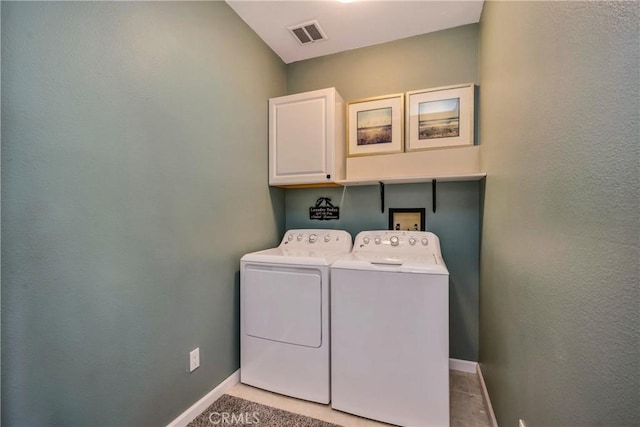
[390,329]
[284,314]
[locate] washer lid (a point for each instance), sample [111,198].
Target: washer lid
[295,256]
[399,262]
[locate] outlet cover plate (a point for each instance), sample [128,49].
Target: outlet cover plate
[194,359]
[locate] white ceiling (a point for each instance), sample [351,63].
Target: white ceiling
[350,25]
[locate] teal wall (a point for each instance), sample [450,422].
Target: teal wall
[437,59]
[134,176]
[134,147]
[560,325]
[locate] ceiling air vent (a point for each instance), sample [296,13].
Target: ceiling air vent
[307,32]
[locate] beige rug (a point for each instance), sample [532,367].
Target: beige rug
[233,411]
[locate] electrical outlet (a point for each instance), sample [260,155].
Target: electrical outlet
[194,359]
[521,423]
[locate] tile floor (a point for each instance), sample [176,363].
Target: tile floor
[468,408]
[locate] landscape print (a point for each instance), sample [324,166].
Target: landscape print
[439,119]
[374,126]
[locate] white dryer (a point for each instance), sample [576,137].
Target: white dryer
[390,329]
[284,314]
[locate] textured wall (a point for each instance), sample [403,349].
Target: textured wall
[437,59]
[561,226]
[134,176]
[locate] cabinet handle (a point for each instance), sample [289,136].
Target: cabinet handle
[328,176]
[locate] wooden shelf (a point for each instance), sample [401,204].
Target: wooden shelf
[477,176]
[413,179]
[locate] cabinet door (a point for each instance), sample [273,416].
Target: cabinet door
[299,131]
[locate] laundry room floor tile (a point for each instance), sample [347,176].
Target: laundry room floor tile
[468,408]
[302,407]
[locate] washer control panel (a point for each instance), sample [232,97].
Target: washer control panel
[402,241]
[338,240]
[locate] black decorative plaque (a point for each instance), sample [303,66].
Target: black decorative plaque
[324,210]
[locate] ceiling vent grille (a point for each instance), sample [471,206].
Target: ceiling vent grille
[307,32]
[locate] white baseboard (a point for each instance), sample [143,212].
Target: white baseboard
[197,408]
[485,393]
[462,365]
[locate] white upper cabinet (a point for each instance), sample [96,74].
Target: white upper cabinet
[306,138]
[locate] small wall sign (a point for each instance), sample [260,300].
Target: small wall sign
[324,210]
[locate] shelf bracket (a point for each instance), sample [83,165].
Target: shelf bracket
[433,194]
[381,196]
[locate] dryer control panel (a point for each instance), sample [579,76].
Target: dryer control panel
[325,240]
[389,241]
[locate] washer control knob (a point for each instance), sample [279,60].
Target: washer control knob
[412,241]
[377,240]
[299,238]
[425,242]
[394,241]
[290,237]
[366,240]
[327,238]
[313,238]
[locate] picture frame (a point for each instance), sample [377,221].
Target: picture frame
[375,125]
[440,117]
[403,219]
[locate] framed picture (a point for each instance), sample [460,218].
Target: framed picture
[406,219]
[375,125]
[440,117]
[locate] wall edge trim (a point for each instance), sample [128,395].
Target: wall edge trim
[197,408]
